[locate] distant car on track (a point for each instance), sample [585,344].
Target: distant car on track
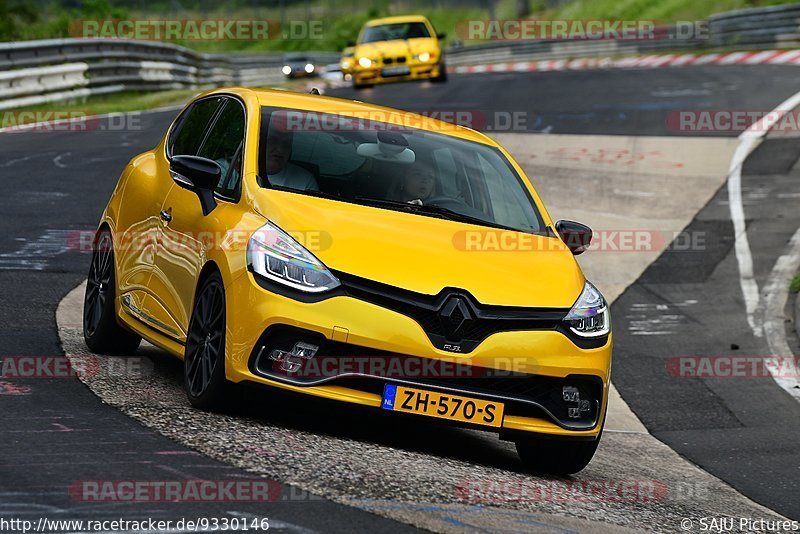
[395,49]
[359,254]
[298,66]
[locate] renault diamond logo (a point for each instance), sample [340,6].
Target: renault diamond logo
[455,316]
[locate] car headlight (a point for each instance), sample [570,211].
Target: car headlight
[287,70]
[365,62]
[589,316]
[425,56]
[275,255]
[309,68]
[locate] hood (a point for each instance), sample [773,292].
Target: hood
[396,48]
[425,254]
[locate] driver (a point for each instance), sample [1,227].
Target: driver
[418,184]
[282,172]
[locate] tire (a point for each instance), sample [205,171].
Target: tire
[101,331]
[442,78]
[556,457]
[204,360]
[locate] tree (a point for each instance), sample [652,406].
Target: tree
[14,16]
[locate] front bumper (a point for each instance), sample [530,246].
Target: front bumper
[417,71]
[526,369]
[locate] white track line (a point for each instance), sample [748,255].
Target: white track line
[750,139]
[776,293]
[741,245]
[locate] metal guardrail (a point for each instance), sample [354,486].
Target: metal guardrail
[37,72]
[774,27]
[767,28]
[563,49]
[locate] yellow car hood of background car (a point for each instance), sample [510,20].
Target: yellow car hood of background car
[426,254]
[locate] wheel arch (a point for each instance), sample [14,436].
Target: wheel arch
[208,269]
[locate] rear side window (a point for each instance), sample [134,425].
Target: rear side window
[192,127]
[223,144]
[333,155]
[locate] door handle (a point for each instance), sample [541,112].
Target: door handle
[166,216]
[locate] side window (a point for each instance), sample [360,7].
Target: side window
[223,144]
[192,128]
[334,157]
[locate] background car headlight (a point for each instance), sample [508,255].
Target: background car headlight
[365,62]
[275,255]
[309,68]
[589,316]
[425,56]
[287,70]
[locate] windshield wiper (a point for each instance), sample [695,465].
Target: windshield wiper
[444,213]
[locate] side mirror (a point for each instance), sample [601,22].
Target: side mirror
[441,36]
[575,235]
[351,44]
[199,175]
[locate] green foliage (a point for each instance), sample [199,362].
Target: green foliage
[341,19]
[19,20]
[15,15]
[795,285]
[660,10]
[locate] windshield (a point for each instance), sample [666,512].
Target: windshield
[390,32]
[362,160]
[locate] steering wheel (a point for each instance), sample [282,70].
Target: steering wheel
[456,204]
[445,202]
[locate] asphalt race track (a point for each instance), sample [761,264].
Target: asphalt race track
[56,431]
[630,102]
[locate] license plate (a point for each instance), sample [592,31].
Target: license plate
[395,71]
[442,405]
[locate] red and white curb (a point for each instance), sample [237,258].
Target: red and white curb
[768,57]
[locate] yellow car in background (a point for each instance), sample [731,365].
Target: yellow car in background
[396,49]
[359,254]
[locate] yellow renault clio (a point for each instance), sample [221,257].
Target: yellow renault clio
[395,49]
[359,254]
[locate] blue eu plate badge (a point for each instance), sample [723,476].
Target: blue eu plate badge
[389,394]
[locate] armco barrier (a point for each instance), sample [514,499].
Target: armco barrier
[770,28]
[36,72]
[761,28]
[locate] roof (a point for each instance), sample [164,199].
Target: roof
[396,20]
[348,107]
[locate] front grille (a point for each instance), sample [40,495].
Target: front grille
[464,330]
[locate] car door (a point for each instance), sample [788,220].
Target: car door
[185,138]
[138,221]
[187,235]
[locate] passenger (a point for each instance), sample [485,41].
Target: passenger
[282,172]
